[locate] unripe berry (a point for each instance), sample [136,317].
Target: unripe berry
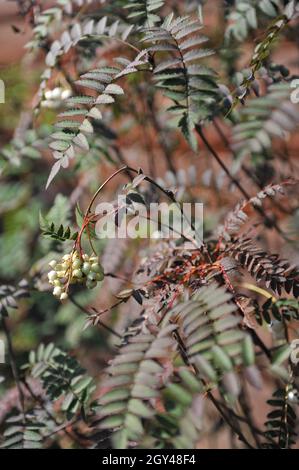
[57,291]
[66,94]
[52,275]
[76,263]
[86,268]
[77,273]
[91,276]
[56,93]
[48,94]
[96,268]
[91,284]
[99,276]
[74,268]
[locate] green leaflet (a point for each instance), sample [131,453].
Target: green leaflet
[134,383]
[194,98]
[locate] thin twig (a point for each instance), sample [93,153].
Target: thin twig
[260,210]
[246,170]
[14,368]
[61,427]
[209,393]
[106,327]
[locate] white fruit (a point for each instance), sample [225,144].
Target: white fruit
[76,263]
[96,268]
[86,268]
[91,276]
[52,275]
[66,94]
[74,268]
[57,291]
[77,273]
[56,93]
[48,94]
[91,284]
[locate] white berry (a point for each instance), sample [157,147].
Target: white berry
[52,275]
[56,93]
[76,263]
[57,291]
[90,284]
[91,276]
[86,268]
[77,273]
[99,276]
[96,268]
[66,94]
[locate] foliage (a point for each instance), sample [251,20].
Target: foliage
[280,422]
[61,375]
[191,86]
[135,379]
[23,435]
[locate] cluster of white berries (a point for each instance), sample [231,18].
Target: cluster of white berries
[54,97]
[74,269]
